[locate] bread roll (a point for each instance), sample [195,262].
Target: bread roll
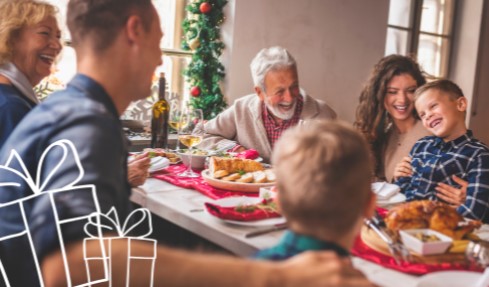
[233,165]
[270,175]
[220,173]
[259,177]
[232,177]
[246,178]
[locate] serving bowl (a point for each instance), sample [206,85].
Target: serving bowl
[198,158]
[425,241]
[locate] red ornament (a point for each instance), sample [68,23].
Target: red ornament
[205,7]
[195,91]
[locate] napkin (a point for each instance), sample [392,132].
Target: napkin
[248,154]
[385,190]
[248,212]
[158,163]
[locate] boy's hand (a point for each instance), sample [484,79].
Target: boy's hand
[452,195]
[403,168]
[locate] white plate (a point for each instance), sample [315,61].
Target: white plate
[398,198]
[242,200]
[449,279]
[385,190]
[158,163]
[233,186]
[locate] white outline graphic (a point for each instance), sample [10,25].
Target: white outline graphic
[131,222]
[69,152]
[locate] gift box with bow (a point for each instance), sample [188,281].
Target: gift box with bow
[112,231]
[30,217]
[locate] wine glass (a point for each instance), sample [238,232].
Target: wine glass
[190,134]
[175,118]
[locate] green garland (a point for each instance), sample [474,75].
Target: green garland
[205,72]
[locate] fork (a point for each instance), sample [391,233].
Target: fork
[398,251]
[224,145]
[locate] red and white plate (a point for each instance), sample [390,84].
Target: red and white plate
[245,200]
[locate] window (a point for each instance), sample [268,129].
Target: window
[422,28]
[175,60]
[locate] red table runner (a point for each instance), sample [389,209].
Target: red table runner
[360,249]
[169,174]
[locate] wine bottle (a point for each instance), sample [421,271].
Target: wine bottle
[159,120]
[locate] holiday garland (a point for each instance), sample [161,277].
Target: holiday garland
[205,72]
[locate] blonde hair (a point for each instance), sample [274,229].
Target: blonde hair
[323,176]
[15,15]
[443,85]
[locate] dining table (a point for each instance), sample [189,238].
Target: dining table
[184,207]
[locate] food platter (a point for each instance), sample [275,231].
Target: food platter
[372,240]
[233,186]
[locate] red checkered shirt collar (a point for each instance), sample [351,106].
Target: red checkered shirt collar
[274,130]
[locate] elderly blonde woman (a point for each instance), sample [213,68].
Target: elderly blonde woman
[29,44]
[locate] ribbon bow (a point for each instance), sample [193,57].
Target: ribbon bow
[109,222]
[63,149]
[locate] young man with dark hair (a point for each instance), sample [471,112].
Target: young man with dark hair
[117,48]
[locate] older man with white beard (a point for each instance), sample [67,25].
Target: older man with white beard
[256,121]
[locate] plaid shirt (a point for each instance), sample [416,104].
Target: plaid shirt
[292,244]
[435,161]
[274,130]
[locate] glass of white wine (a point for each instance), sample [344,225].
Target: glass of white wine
[175,118]
[190,134]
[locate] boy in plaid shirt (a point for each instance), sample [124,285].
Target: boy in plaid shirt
[450,164]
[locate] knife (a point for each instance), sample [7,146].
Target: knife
[266,230]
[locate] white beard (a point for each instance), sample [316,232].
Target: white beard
[275,110]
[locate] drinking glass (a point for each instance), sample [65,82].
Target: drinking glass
[190,134]
[477,253]
[175,118]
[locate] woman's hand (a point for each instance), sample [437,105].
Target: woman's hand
[452,195]
[137,169]
[403,168]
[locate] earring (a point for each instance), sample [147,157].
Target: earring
[387,121]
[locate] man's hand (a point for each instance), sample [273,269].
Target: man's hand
[137,169]
[319,269]
[403,168]
[452,195]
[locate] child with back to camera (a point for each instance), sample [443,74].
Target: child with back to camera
[323,177]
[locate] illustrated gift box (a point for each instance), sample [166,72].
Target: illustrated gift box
[27,222]
[115,234]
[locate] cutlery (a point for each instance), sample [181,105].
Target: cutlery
[397,249]
[378,220]
[266,230]
[196,210]
[222,147]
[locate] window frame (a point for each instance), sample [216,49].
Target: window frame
[415,33]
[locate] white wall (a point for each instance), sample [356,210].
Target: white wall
[479,118]
[335,42]
[463,62]
[470,62]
